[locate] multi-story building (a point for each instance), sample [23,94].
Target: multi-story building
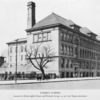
[77,50]
[16,54]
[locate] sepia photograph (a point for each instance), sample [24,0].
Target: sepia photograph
[50,49]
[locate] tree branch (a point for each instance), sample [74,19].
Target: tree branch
[44,57]
[33,64]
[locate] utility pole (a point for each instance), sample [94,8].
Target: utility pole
[96,65]
[16,61]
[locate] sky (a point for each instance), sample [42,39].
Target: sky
[13,16]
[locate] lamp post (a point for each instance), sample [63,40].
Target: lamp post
[16,61]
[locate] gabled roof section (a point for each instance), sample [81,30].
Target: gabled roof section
[19,41]
[52,19]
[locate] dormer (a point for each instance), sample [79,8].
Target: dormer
[92,35]
[75,27]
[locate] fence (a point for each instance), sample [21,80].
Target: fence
[25,76]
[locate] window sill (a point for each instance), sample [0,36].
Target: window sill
[42,41]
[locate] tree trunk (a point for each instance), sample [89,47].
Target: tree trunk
[43,73]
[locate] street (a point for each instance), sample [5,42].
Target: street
[63,84]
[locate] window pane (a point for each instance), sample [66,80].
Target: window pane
[66,63]
[49,36]
[10,49]
[21,48]
[62,74]
[62,62]
[44,36]
[62,48]
[40,37]
[62,35]
[35,37]
[67,50]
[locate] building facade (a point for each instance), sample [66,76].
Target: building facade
[1,60]
[80,53]
[77,50]
[16,54]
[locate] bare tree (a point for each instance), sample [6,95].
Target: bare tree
[40,59]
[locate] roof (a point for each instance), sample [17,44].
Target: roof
[52,19]
[85,30]
[18,40]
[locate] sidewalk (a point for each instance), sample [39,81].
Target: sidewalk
[12,82]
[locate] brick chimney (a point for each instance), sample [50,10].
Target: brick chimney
[31,14]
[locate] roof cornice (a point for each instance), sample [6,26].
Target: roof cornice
[16,42]
[42,27]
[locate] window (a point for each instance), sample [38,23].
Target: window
[35,37]
[49,36]
[62,35]
[21,57]
[10,49]
[70,63]
[40,36]
[76,51]
[71,74]
[25,48]
[66,63]
[10,65]
[65,51]
[86,65]
[70,38]
[67,74]
[67,37]
[45,36]
[76,41]
[62,62]
[82,67]
[62,74]
[62,49]
[71,51]
[21,48]
[68,50]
